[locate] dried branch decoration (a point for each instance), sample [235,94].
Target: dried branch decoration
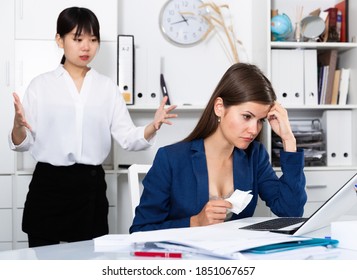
[217,22]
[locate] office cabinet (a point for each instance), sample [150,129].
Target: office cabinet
[323,181]
[344,114]
[7,161]
[5,211]
[321,185]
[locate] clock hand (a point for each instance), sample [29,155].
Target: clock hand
[180,21]
[183,20]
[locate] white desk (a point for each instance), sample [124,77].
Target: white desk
[84,250]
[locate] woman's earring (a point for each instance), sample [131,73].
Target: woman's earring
[219,119]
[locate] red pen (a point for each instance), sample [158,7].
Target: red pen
[151,254]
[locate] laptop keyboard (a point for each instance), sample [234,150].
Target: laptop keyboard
[277,223]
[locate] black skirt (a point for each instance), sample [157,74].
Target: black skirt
[66,203]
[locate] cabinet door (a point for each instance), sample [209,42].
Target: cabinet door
[33,23]
[321,185]
[5,191]
[34,57]
[7,159]
[6,225]
[5,209]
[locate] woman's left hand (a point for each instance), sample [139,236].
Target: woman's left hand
[279,122]
[162,114]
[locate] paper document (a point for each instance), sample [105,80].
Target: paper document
[222,240]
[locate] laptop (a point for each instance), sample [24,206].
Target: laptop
[338,204]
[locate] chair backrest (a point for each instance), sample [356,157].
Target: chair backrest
[136,173]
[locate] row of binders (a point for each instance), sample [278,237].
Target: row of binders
[307,77]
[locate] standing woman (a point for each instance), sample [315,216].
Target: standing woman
[189,181]
[67,120]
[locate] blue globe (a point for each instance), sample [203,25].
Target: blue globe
[281,27]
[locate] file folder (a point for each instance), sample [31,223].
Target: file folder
[310,77]
[337,125]
[296,244]
[126,67]
[288,76]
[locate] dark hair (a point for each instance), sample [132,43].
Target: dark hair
[82,18]
[241,83]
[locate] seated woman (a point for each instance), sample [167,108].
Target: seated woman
[189,180]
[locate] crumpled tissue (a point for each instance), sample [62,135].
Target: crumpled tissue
[240,200]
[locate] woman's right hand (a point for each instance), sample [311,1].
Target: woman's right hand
[214,212]
[19,120]
[20,123]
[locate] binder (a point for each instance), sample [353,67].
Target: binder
[125,67]
[147,77]
[337,125]
[310,77]
[288,76]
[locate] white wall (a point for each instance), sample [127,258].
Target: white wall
[191,73]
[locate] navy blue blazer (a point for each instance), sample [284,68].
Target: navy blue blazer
[176,187]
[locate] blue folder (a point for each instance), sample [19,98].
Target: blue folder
[280,247]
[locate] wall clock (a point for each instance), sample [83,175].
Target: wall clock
[183,23]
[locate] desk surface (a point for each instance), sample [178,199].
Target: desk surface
[84,250]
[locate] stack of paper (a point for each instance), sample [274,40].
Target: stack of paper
[221,241]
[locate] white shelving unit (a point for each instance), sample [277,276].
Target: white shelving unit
[323,181]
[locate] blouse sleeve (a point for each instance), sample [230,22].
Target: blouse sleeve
[124,131]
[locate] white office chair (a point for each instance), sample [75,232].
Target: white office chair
[136,173]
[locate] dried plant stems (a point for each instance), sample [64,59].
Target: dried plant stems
[217,22]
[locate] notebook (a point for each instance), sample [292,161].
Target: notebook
[338,204]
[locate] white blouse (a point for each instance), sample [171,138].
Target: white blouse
[70,127]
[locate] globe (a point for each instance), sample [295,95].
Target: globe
[281,27]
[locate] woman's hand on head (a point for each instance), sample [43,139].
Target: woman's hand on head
[214,212]
[162,114]
[279,122]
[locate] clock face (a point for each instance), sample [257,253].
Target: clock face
[182,22]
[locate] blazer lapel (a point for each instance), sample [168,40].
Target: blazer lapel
[241,171]
[200,172]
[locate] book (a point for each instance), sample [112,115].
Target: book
[343,7]
[336,84]
[333,35]
[344,86]
[324,78]
[329,58]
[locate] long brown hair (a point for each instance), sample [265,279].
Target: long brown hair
[241,83]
